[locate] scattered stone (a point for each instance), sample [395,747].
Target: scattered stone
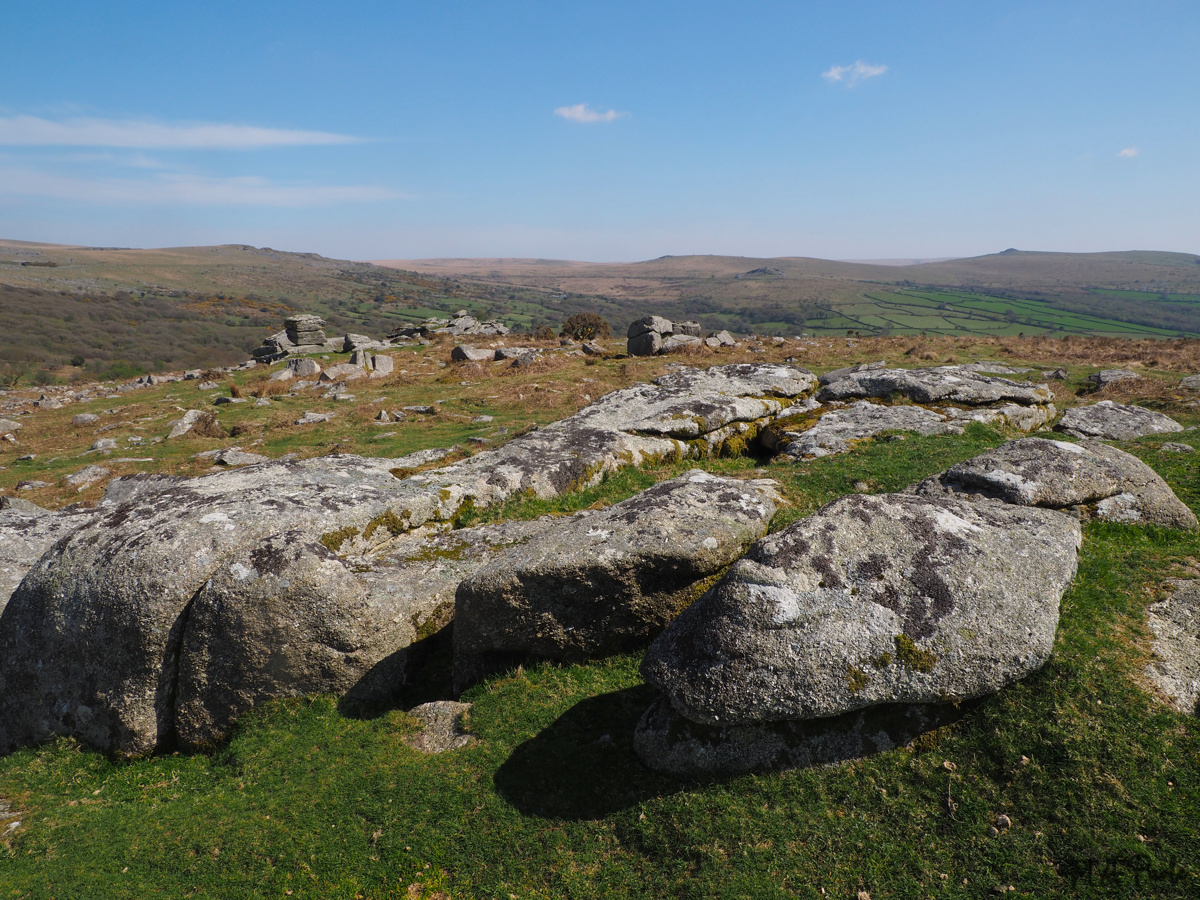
[1054,375]
[354,343]
[1176,447]
[442,727]
[8,426]
[236,457]
[467,353]
[282,375]
[1191,383]
[382,416]
[1105,377]
[483,419]
[1089,479]
[605,582]
[1115,421]
[872,599]
[362,359]
[514,352]
[87,476]
[723,339]
[84,419]
[182,426]
[104,444]
[208,385]
[303,367]
[422,410]
[31,485]
[678,342]
[1175,626]
[225,401]
[342,372]
[47,403]
[262,401]
[314,418]
[689,328]
[592,348]
[381,365]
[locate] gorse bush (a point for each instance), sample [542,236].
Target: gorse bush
[585,327]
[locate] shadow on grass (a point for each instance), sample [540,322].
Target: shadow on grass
[583,765]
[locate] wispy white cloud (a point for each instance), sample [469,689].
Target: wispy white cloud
[852,75]
[1128,153]
[581,112]
[32,131]
[185,189]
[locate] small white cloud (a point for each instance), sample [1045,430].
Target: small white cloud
[581,112]
[31,131]
[1128,153]
[852,75]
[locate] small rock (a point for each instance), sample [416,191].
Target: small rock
[31,485]
[209,385]
[1176,447]
[84,418]
[314,418]
[104,444]
[86,476]
[1106,377]
[235,457]
[443,727]
[467,353]
[1003,821]
[382,416]
[222,401]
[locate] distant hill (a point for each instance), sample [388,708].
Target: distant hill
[65,309]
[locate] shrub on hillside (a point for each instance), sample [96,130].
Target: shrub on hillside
[585,327]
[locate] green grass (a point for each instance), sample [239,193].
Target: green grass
[1101,782]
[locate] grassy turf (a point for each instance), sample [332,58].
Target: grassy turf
[1100,781]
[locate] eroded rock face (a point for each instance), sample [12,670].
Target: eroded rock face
[1115,421]
[1175,625]
[1089,477]
[604,582]
[945,384]
[835,431]
[872,599]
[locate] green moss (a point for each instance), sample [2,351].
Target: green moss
[427,626]
[430,554]
[913,656]
[334,539]
[856,679]
[389,520]
[464,513]
[882,661]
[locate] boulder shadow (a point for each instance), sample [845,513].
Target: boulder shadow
[583,766]
[419,673]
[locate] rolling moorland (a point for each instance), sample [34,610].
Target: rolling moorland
[75,312]
[1098,780]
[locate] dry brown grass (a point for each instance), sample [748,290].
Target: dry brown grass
[208,426]
[264,387]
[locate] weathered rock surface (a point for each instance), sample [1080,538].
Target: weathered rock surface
[945,384]
[303,367]
[442,731]
[1090,478]
[1115,421]
[657,324]
[467,353]
[26,532]
[646,343]
[305,329]
[382,365]
[186,423]
[872,599]
[8,426]
[835,431]
[84,419]
[667,742]
[342,372]
[86,476]
[838,374]
[606,581]
[1191,382]
[1106,377]
[677,342]
[1175,625]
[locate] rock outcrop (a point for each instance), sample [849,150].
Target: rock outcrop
[948,385]
[604,582]
[1088,478]
[26,532]
[1115,421]
[91,641]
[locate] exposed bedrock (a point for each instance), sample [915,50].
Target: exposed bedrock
[605,582]
[942,384]
[90,641]
[1089,478]
[1115,421]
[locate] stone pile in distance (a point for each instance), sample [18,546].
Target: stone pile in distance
[654,334]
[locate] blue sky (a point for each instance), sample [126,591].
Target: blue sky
[603,131]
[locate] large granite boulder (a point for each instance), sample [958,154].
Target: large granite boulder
[305,330]
[943,384]
[1105,377]
[872,599]
[603,582]
[1090,478]
[1115,421]
[1175,626]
